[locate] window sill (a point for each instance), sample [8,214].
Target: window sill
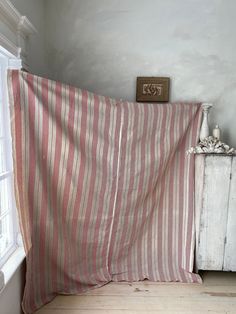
[11,266]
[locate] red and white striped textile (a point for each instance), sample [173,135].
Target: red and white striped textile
[104,188]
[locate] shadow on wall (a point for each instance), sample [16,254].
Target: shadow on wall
[11,297]
[103,46]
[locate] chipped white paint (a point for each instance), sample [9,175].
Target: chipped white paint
[199,179]
[104,45]
[215,212]
[230,247]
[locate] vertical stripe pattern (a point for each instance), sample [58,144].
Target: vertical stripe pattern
[104,189]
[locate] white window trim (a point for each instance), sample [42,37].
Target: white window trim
[9,46]
[9,268]
[13,39]
[17,29]
[16,253]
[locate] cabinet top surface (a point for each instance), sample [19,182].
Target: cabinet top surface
[215,155]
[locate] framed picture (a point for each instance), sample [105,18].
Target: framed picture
[152,89]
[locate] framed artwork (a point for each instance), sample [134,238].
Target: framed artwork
[152,89]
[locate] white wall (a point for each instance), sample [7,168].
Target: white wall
[104,45]
[11,296]
[35,12]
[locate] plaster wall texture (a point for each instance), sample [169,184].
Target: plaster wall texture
[104,45]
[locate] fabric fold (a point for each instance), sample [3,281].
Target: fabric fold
[104,188]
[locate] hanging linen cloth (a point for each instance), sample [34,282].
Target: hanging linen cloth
[104,188]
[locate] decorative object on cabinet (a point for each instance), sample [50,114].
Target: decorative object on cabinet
[215,203]
[205,127]
[211,145]
[152,89]
[216,132]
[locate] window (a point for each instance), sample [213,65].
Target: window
[14,34]
[8,223]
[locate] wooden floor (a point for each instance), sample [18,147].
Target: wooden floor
[216,295]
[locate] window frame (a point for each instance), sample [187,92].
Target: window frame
[14,39]
[8,61]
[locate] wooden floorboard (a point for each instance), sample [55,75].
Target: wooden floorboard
[217,294]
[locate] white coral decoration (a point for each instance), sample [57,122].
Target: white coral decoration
[211,145]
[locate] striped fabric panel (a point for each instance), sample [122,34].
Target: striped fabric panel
[104,189]
[153,233]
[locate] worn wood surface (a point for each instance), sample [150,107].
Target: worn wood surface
[215,206]
[230,245]
[213,220]
[199,180]
[217,294]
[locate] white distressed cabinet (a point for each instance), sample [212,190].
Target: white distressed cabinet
[215,210]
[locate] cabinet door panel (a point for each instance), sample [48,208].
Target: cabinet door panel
[214,213]
[199,180]
[230,246]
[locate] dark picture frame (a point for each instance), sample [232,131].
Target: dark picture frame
[152,89]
